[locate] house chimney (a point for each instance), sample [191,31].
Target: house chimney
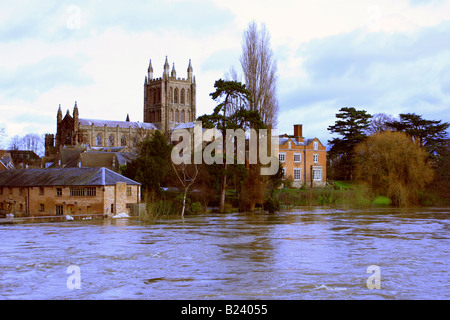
[298,134]
[297,130]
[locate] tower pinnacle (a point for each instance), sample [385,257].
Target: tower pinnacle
[174,73]
[150,70]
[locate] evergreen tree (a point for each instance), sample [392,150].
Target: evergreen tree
[152,165]
[429,134]
[352,125]
[230,113]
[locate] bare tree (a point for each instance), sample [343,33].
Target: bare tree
[15,143]
[379,123]
[2,135]
[260,72]
[33,142]
[186,179]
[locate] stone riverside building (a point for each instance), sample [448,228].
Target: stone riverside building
[66,191]
[304,161]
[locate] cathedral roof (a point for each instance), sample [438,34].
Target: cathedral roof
[121,124]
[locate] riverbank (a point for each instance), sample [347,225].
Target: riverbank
[58,218]
[351,194]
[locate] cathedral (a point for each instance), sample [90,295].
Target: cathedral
[168,102]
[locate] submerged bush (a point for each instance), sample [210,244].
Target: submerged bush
[393,165]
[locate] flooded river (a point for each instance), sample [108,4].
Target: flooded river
[377,253]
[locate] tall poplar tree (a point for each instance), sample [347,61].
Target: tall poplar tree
[260,72]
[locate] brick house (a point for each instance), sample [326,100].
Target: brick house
[66,191]
[304,160]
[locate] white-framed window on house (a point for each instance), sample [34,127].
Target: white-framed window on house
[289,144]
[317,174]
[316,145]
[316,157]
[282,157]
[297,173]
[297,157]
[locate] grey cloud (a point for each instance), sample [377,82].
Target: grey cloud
[359,69]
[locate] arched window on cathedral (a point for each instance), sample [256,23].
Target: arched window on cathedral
[98,140]
[176,116]
[171,95]
[188,96]
[123,141]
[111,141]
[158,95]
[175,95]
[68,139]
[171,115]
[188,116]
[182,116]
[182,101]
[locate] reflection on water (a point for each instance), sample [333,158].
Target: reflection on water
[310,254]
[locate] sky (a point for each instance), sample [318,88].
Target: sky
[385,56]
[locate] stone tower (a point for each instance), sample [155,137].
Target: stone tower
[169,101]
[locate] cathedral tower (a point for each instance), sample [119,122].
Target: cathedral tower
[169,101]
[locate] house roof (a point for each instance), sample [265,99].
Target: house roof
[62,177]
[120,124]
[283,139]
[97,159]
[7,163]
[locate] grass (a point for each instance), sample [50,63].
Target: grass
[344,195]
[382,201]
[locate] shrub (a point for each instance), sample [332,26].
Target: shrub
[196,208]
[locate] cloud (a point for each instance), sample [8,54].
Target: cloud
[372,69]
[97,52]
[28,81]
[63,20]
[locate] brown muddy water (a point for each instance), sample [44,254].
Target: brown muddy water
[376,253]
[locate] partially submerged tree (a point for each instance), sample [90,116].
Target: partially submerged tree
[229,93]
[391,164]
[230,113]
[187,175]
